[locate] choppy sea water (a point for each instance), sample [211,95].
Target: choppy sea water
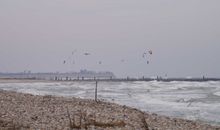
[188,100]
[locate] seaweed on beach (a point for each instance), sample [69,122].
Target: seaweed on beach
[85,122]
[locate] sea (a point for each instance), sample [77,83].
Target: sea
[199,101]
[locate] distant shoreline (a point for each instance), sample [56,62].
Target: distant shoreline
[115,79]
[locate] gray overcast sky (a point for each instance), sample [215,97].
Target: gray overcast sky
[184,35]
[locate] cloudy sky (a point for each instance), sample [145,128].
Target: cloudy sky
[184,35]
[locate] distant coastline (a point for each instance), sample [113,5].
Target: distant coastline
[85,75]
[82,74]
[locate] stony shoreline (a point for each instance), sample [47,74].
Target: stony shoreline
[26,111]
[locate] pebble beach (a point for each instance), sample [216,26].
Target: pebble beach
[31,112]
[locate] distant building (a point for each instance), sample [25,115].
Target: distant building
[86,74]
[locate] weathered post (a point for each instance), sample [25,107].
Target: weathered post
[96,85]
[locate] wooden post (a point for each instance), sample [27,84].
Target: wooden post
[96,85]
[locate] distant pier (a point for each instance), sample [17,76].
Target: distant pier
[97,77]
[127,79]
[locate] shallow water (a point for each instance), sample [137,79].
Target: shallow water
[189,100]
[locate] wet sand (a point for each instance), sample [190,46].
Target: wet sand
[26,111]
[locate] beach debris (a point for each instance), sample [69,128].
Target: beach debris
[96,86]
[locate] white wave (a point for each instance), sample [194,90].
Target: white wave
[217,93]
[190,100]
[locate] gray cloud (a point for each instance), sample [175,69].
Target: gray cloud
[39,35]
